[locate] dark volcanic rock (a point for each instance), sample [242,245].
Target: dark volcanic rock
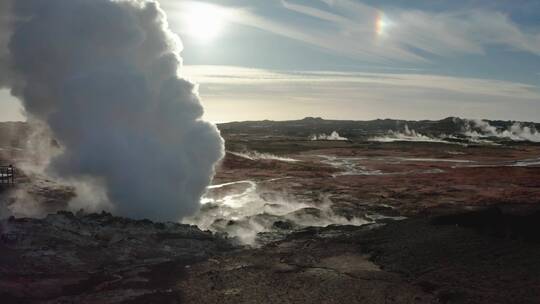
[315,265]
[418,260]
[499,222]
[97,258]
[463,258]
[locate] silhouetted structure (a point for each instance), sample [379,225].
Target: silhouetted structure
[7,175]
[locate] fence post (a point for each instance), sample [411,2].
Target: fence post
[11,175]
[7,175]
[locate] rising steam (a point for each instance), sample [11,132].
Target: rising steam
[103,76]
[243,210]
[333,136]
[516,132]
[254,155]
[406,135]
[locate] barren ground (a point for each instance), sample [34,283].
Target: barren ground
[445,224]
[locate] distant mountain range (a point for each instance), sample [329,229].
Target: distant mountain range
[451,126]
[15,134]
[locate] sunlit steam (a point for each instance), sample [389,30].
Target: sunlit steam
[102,75]
[243,210]
[477,129]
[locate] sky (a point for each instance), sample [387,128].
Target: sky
[353,59]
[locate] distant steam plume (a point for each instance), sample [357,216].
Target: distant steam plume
[333,136]
[406,135]
[103,76]
[516,132]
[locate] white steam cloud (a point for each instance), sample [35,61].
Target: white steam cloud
[476,129]
[103,76]
[254,155]
[333,136]
[243,210]
[406,135]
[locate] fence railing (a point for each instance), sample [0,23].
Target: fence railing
[7,175]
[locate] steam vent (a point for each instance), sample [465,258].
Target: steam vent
[239,152]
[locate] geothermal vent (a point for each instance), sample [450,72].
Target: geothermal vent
[102,75]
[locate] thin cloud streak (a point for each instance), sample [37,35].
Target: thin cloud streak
[350,29]
[228,75]
[443,34]
[263,94]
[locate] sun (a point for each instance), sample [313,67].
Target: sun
[204,21]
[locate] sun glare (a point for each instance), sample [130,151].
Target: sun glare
[204,22]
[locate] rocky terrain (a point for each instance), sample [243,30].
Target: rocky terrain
[294,220]
[97,258]
[483,257]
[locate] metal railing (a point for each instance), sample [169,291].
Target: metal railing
[7,175]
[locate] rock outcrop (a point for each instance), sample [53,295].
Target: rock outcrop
[97,258]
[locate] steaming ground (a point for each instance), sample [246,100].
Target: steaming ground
[480,129]
[326,221]
[259,210]
[332,136]
[106,87]
[472,132]
[407,135]
[338,219]
[243,210]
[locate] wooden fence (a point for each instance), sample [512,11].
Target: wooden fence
[7,175]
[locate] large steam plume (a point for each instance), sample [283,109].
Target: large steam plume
[103,76]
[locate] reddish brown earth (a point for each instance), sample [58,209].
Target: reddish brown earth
[471,234]
[445,179]
[445,252]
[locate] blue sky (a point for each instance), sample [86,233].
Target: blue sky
[487,39]
[352,59]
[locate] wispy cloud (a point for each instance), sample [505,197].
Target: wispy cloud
[264,93]
[229,75]
[392,37]
[441,34]
[354,29]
